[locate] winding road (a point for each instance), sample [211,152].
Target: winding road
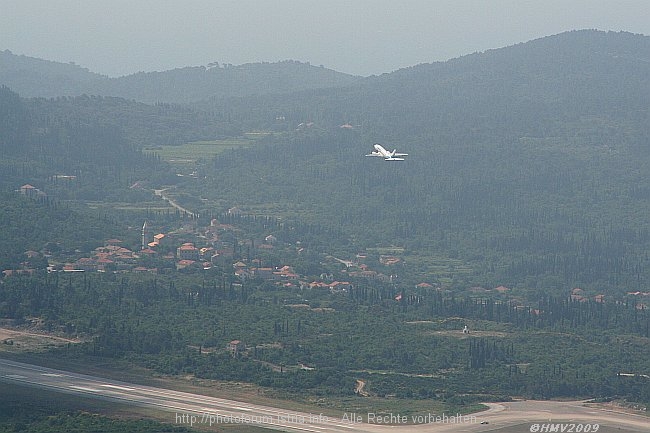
[161,193]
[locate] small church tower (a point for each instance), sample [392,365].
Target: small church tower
[145,235]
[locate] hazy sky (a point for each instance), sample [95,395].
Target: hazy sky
[363,37]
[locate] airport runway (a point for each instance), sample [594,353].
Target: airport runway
[198,410]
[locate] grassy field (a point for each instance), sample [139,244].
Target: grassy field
[20,341]
[444,270]
[188,154]
[150,206]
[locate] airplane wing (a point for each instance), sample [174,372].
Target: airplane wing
[400,154]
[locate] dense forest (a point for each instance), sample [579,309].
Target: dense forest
[527,168]
[411,348]
[140,124]
[516,214]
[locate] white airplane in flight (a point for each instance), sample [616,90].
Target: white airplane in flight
[383,153]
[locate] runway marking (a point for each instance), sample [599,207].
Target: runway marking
[291,426]
[121,388]
[85,388]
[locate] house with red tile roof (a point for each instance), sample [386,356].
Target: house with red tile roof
[187,251]
[318,285]
[340,287]
[184,263]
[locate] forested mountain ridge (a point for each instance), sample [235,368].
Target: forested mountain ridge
[505,91]
[527,163]
[32,77]
[511,91]
[142,124]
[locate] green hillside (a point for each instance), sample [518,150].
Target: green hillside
[32,77]
[528,163]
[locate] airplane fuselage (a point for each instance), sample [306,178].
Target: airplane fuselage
[383,153]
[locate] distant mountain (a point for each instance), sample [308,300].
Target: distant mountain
[501,91]
[32,77]
[517,89]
